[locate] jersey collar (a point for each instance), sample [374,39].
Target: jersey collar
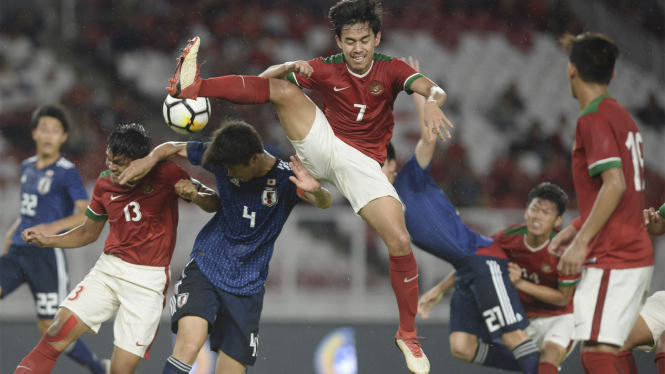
[358,75]
[534,250]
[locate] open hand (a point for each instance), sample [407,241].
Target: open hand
[137,170]
[302,179]
[427,302]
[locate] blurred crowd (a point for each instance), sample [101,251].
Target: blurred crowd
[112,70]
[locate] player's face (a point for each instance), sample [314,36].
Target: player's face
[116,165]
[358,42]
[572,72]
[243,173]
[49,136]
[541,217]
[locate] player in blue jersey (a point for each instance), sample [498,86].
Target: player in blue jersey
[483,284]
[53,199]
[221,289]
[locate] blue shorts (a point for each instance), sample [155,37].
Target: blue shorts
[45,271]
[233,320]
[485,302]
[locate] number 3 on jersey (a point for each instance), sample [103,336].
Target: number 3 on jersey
[634,144]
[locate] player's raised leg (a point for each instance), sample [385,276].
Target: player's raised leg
[385,215]
[123,362]
[191,336]
[66,328]
[78,350]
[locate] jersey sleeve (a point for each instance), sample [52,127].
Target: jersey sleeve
[403,75]
[568,280]
[577,223]
[600,146]
[96,210]
[414,175]
[321,71]
[195,151]
[661,211]
[75,186]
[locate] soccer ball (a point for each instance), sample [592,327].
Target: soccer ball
[186,116]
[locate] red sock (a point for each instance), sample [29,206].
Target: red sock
[40,361]
[660,362]
[547,368]
[601,363]
[238,89]
[403,278]
[627,362]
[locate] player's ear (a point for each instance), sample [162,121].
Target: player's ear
[557,221]
[339,42]
[572,70]
[377,38]
[614,74]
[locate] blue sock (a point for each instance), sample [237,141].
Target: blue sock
[495,355]
[527,355]
[79,352]
[175,366]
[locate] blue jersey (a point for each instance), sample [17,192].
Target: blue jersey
[233,249]
[47,194]
[431,219]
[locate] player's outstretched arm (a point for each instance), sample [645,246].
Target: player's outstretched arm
[9,234]
[614,185]
[199,194]
[425,146]
[432,297]
[654,221]
[80,236]
[557,297]
[435,121]
[66,223]
[139,168]
[282,70]
[314,193]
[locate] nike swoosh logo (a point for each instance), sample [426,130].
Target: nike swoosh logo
[115,197]
[140,345]
[339,89]
[407,280]
[577,324]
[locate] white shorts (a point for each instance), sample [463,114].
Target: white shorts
[135,292]
[653,314]
[327,158]
[555,329]
[607,303]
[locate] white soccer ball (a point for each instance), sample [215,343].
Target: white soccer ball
[186,116]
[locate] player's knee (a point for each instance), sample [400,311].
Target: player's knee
[188,352]
[399,244]
[60,328]
[462,347]
[281,90]
[552,353]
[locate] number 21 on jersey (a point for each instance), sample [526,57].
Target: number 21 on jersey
[634,145]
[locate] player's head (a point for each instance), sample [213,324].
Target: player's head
[126,144]
[545,206]
[237,146]
[50,124]
[357,25]
[592,57]
[389,167]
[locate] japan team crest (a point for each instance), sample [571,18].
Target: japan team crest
[44,185]
[269,197]
[182,299]
[375,87]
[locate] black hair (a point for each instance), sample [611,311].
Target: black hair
[234,143]
[51,110]
[391,152]
[593,55]
[550,192]
[350,12]
[131,141]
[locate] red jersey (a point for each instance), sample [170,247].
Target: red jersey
[538,266]
[143,218]
[607,137]
[359,108]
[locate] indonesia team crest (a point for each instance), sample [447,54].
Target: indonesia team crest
[375,87]
[547,268]
[269,196]
[182,299]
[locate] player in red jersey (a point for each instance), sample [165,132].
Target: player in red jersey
[609,237]
[648,333]
[345,143]
[132,275]
[546,294]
